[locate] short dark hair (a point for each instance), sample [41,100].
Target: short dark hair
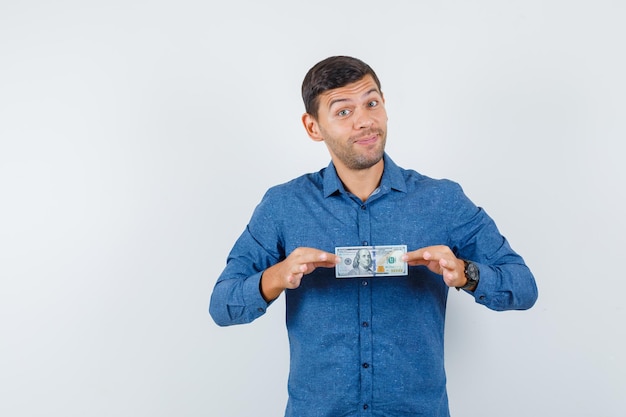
[330,73]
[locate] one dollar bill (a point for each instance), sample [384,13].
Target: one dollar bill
[370,261]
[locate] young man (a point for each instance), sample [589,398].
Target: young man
[366,346]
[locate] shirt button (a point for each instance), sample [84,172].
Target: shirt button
[365,324]
[364,243]
[365,406]
[366,365]
[260,310]
[482,297]
[363,207]
[364,283]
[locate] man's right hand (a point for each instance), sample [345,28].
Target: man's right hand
[288,273]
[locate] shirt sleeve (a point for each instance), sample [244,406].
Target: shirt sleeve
[236,297]
[506,282]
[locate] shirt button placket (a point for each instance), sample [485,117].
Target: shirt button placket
[366,353]
[365,318]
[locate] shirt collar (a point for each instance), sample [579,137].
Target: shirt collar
[392,178]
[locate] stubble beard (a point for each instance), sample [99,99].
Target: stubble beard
[360,161]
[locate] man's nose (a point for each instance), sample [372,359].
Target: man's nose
[362,119]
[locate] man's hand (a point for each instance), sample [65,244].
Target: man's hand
[440,260]
[288,273]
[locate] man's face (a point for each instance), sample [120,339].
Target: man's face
[365,259]
[353,122]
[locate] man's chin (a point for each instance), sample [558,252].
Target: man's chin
[365,163]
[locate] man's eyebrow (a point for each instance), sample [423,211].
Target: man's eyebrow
[339,100]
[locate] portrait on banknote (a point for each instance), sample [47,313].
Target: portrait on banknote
[362,263]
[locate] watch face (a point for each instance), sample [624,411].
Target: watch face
[472,271]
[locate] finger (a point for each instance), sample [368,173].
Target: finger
[445,264]
[429,253]
[327,260]
[303,261]
[329,263]
[293,279]
[422,256]
[415,257]
[311,255]
[299,271]
[323,263]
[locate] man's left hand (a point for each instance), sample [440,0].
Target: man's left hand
[440,260]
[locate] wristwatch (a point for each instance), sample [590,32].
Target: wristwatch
[472,274]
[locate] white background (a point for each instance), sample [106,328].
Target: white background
[136,137]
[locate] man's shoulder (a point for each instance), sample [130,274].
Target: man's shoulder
[304,180]
[305,184]
[415,179]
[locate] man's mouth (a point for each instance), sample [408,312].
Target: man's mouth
[367,140]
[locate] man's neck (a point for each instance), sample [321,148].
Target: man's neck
[362,182]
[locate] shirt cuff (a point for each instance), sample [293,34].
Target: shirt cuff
[252,297]
[486,285]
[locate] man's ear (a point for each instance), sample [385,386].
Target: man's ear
[312,128]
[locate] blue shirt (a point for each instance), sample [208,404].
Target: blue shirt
[368,346]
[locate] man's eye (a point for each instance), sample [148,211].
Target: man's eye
[344,112]
[373,103]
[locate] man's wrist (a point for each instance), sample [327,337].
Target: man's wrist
[472,276]
[268,287]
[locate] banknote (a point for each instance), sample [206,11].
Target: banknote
[370,261]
